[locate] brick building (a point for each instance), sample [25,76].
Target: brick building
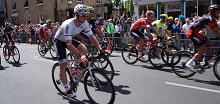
[29,11]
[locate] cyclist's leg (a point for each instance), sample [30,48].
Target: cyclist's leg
[42,39]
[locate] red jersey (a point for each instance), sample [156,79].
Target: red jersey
[140,24]
[44,28]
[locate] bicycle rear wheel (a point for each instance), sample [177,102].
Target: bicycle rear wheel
[6,53]
[130,54]
[158,57]
[216,69]
[41,52]
[56,78]
[16,54]
[101,93]
[104,65]
[180,69]
[53,51]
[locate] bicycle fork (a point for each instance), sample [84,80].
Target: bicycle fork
[93,80]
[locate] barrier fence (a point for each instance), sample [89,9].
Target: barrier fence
[118,42]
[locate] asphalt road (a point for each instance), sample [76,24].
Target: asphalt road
[30,82]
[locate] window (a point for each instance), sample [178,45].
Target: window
[79,1]
[28,19]
[14,5]
[25,3]
[69,1]
[39,1]
[98,1]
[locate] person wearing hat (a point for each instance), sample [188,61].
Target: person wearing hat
[169,24]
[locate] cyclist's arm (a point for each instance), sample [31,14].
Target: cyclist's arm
[15,35]
[53,32]
[216,31]
[99,33]
[154,30]
[167,32]
[45,34]
[148,32]
[81,38]
[72,48]
[95,41]
[6,35]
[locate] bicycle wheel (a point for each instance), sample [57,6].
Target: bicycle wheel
[216,69]
[56,78]
[6,53]
[172,50]
[104,65]
[180,69]
[53,51]
[100,93]
[158,57]
[130,54]
[16,54]
[41,52]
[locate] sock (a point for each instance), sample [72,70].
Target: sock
[66,87]
[190,62]
[205,58]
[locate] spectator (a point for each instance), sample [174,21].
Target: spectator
[185,30]
[14,6]
[123,25]
[26,3]
[110,28]
[41,19]
[177,26]
[170,24]
[128,25]
[134,18]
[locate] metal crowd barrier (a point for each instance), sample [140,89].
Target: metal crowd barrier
[118,42]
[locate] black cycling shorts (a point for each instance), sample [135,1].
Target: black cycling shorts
[138,35]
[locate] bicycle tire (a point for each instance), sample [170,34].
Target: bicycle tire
[39,50]
[16,53]
[216,70]
[105,66]
[155,54]
[107,90]
[132,52]
[6,53]
[173,49]
[53,51]
[180,69]
[57,81]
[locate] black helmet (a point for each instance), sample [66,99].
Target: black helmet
[7,24]
[214,8]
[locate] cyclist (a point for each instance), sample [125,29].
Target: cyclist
[63,39]
[43,33]
[199,40]
[101,25]
[138,35]
[161,29]
[7,31]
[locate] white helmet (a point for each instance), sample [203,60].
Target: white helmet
[80,9]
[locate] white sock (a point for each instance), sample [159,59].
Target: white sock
[66,87]
[190,62]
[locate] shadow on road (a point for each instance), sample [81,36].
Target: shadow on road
[165,69]
[50,58]
[121,90]
[15,64]
[216,83]
[3,68]
[74,100]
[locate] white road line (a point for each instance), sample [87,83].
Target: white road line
[198,88]
[36,57]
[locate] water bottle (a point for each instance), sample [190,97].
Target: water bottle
[79,71]
[73,71]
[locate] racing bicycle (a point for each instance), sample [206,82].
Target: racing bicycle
[49,46]
[12,50]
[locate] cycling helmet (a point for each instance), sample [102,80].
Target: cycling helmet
[48,21]
[164,16]
[101,18]
[214,8]
[7,24]
[149,13]
[80,9]
[91,10]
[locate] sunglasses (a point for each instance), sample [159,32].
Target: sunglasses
[84,16]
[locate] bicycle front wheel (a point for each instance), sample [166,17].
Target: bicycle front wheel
[105,66]
[171,51]
[6,53]
[158,57]
[16,54]
[102,90]
[53,51]
[41,52]
[216,69]
[130,54]
[180,69]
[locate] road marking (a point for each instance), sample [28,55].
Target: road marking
[198,88]
[36,57]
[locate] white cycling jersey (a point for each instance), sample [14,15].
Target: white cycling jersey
[69,30]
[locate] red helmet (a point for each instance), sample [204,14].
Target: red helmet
[214,8]
[149,13]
